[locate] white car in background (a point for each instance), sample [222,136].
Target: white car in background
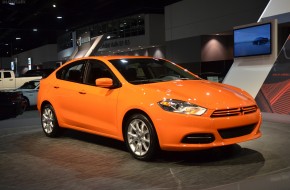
[30,91]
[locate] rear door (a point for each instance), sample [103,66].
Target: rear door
[81,103]
[97,104]
[66,93]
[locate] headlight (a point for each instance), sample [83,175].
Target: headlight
[178,106]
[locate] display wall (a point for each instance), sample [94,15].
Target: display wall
[249,73]
[274,95]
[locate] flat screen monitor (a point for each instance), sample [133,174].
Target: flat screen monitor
[253,40]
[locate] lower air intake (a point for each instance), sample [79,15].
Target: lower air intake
[201,138]
[237,131]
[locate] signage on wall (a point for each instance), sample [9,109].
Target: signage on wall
[13,2]
[29,63]
[116,44]
[84,40]
[12,65]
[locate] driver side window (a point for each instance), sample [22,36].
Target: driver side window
[97,69]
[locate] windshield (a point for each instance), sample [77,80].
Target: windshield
[30,85]
[147,70]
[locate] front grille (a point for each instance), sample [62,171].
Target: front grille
[237,131]
[234,111]
[198,138]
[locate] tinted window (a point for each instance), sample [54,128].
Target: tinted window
[138,71]
[30,85]
[97,69]
[40,72]
[7,75]
[72,72]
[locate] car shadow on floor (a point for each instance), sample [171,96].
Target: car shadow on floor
[231,154]
[95,139]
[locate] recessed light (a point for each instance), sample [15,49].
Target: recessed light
[34,29]
[18,38]
[54,5]
[59,17]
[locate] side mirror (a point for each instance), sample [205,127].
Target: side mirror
[104,82]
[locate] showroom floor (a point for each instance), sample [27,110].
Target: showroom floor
[30,160]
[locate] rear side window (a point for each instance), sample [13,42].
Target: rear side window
[7,75]
[72,72]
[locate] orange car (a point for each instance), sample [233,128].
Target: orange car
[148,103]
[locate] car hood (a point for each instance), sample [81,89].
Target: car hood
[201,92]
[24,90]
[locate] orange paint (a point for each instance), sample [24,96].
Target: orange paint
[102,110]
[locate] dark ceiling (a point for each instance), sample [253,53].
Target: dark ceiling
[36,22]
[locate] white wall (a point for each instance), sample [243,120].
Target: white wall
[156,29]
[5,62]
[276,7]
[190,18]
[38,55]
[186,21]
[184,50]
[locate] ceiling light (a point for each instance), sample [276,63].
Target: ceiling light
[54,5]
[59,17]
[34,29]
[18,38]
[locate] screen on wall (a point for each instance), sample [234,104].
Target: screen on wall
[253,40]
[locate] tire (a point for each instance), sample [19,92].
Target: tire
[49,121]
[140,137]
[27,100]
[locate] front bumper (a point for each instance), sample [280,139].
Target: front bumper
[186,132]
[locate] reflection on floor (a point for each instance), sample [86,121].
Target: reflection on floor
[30,160]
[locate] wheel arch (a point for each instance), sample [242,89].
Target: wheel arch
[27,100]
[132,112]
[44,103]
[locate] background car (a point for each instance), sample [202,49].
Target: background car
[260,41]
[30,91]
[38,72]
[12,103]
[148,103]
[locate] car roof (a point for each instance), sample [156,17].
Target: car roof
[111,57]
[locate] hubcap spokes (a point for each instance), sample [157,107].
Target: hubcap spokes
[47,120]
[138,137]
